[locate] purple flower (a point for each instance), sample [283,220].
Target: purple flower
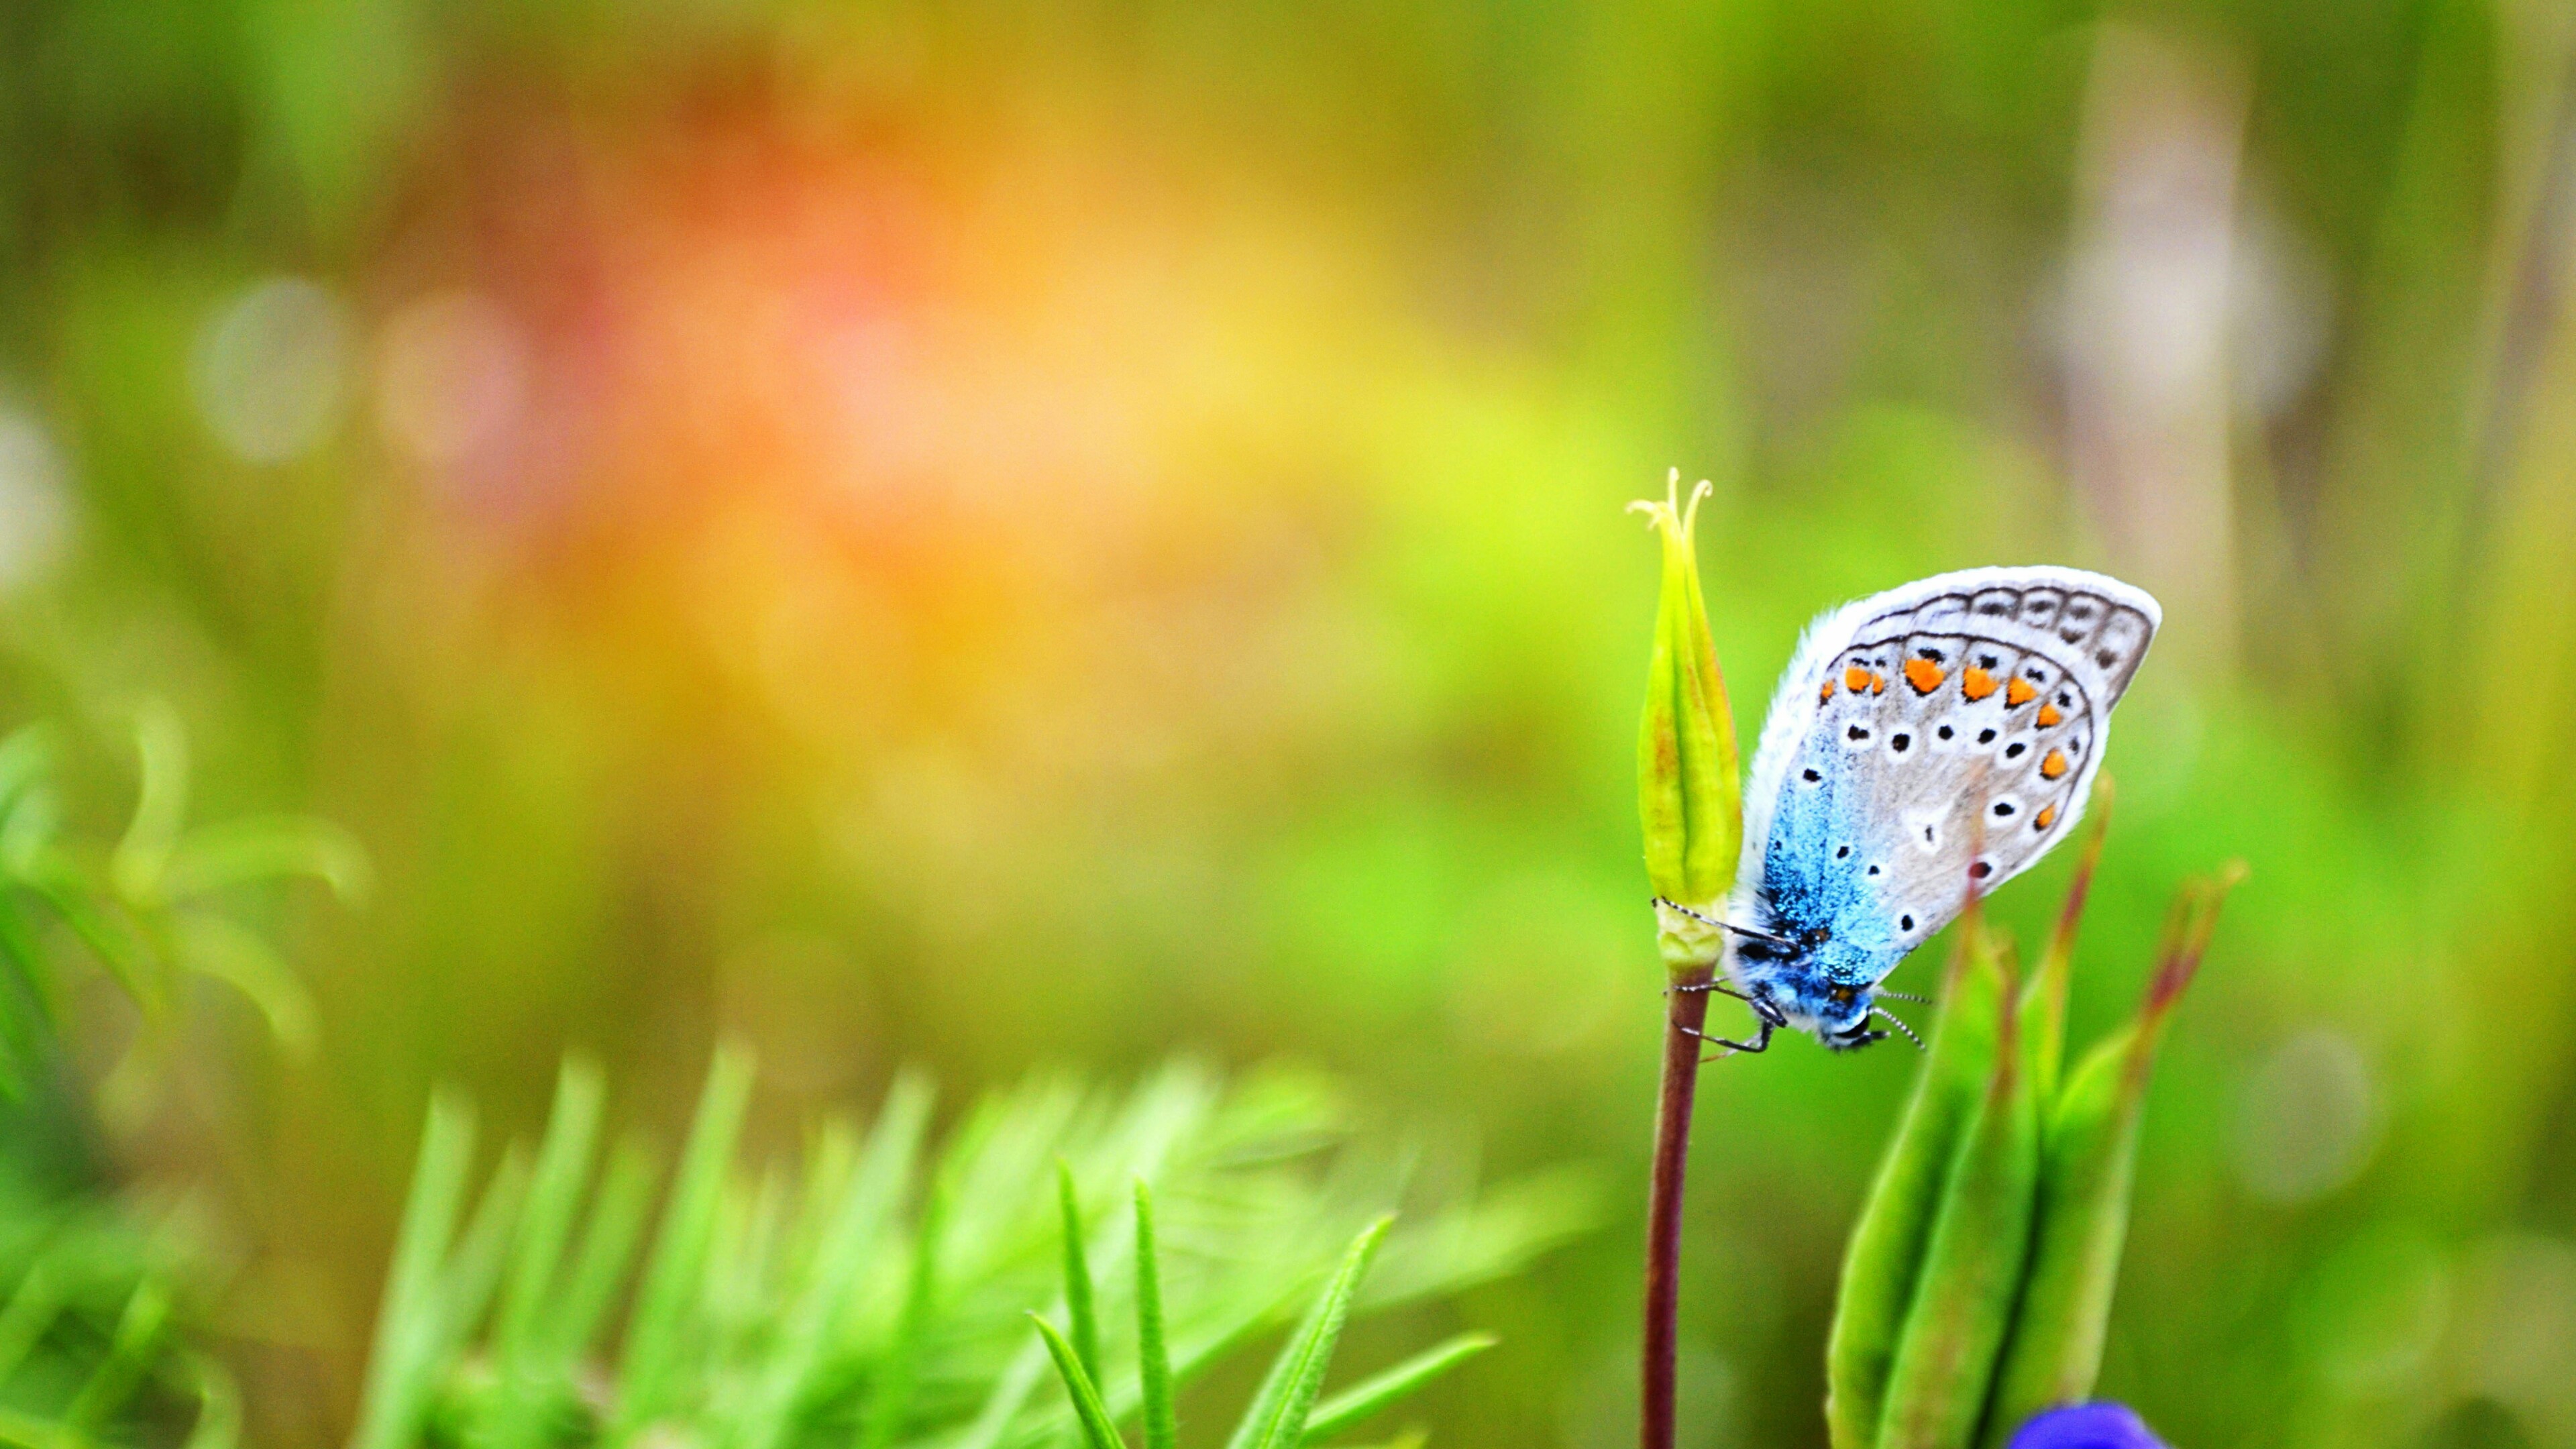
[2087,1426]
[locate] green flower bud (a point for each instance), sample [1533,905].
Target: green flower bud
[1688,797]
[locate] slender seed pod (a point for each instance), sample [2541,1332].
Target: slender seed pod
[2088,1165]
[1690,803]
[1886,1251]
[1972,1265]
[2044,1002]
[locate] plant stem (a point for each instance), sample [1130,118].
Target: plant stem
[1685,1011]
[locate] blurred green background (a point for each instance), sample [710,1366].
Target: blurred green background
[987,534]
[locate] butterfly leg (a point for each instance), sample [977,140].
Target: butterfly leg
[1720,987]
[1761,1040]
[1767,1019]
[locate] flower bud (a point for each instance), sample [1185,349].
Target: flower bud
[1688,797]
[2087,1426]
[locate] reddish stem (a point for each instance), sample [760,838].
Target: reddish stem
[1685,1012]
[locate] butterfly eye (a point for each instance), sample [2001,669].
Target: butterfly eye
[1841,994]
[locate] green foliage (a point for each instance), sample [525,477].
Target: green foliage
[1284,1413]
[153,909]
[873,1288]
[96,1305]
[1977,1286]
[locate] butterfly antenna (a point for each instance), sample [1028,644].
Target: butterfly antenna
[1724,925]
[1900,1026]
[1905,996]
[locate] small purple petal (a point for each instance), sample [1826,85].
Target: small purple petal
[2087,1426]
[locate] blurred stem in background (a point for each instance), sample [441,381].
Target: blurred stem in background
[1691,807]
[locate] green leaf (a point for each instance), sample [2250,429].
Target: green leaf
[160,805]
[2088,1165]
[1277,1419]
[1884,1260]
[1077,1273]
[526,1356]
[217,948]
[875,1188]
[1972,1264]
[1373,1395]
[26,759]
[2044,1004]
[607,1249]
[129,1354]
[246,852]
[1153,1354]
[1097,1431]
[679,1256]
[398,1380]
[901,1372]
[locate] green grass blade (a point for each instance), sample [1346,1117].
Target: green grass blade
[2044,1001]
[607,1249]
[129,1354]
[1973,1263]
[2087,1167]
[1277,1419]
[228,952]
[1884,1260]
[1079,1305]
[524,1347]
[1097,1431]
[885,1167]
[245,852]
[397,1387]
[159,806]
[901,1373]
[474,1273]
[675,1272]
[31,1310]
[554,1202]
[26,757]
[1372,1395]
[1153,1353]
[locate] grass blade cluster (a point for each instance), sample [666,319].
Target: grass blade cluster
[158,906]
[1284,1413]
[873,1290]
[1977,1285]
[97,1307]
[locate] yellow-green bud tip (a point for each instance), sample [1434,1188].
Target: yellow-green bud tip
[1688,799]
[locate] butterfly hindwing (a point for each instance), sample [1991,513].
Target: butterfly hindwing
[1940,733]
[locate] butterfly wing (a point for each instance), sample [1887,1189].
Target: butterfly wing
[1949,730]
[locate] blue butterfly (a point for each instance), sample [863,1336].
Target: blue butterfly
[1925,742]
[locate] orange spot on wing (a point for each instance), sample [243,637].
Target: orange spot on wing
[2048,715]
[1923,674]
[1825,693]
[1856,679]
[2053,766]
[1877,683]
[2047,818]
[1976,684]
[2019,693]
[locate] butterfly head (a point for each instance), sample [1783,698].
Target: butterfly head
[1815,979]
[1845,1026]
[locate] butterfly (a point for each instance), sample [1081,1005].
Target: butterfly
[1926,742]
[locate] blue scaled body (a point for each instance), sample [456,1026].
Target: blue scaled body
[1816,896]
